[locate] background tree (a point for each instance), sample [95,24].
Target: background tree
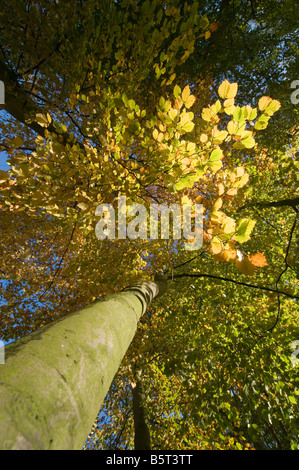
[141,98]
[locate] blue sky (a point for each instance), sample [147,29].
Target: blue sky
[3,164]
[5,167]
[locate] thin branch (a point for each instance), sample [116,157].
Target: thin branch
[234,281]
[281,274]
[185,262]
[59,265]
[291,202]
[37,66]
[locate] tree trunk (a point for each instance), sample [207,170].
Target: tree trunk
[54,380]
[20,106]
[141,429]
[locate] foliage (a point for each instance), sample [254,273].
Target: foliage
[143,99]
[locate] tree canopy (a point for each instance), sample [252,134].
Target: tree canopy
[163,102]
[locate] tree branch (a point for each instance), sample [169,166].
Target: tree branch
[294,202]
[234,281]
[19,105]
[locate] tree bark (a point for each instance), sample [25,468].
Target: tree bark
[54,380]
[141,429]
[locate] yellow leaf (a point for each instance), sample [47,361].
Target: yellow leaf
[218,136]
[244,180]
[186,200]
[240,171]
[272,107]
[191,147]
[220,189]
[232,127]
[229,102]
[190,101]
[160,137]
[215,166]
[206,114]
[232,192]
[229,225]
[217,204]
[217,217]
[186,93]
[264,102]
[227,90]
[155,133]
[216,246]
[227,255]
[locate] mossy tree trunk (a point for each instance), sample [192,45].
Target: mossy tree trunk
[54,380]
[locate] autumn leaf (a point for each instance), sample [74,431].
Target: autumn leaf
[245,266]
[227,90]
[244,228]
[264,102]
[216,246]
[258,260]
[186,93]
[232,191]
[42,119]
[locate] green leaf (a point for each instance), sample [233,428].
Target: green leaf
[176,91]
[244,228]
[262,122]
[238,114]
[216,155]
[172,113]
[253,114]
[215,166]
[204,22]
[272,107]
[248,142]
[162,102]
[131,104]
[188,127]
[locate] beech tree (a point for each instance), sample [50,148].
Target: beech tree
[129,98]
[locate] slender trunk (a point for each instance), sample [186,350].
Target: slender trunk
[141,429]
[54,380]
[21,106]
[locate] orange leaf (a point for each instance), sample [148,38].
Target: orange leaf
[214,26]
[258,260]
